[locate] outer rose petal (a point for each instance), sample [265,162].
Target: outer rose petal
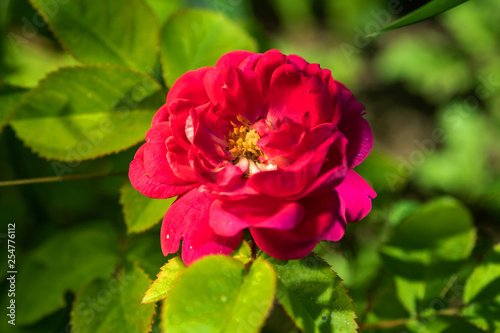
[355,128]
[356,194]
[233,58]
[188,219]
[155,156]
[189,86]
[323,213]
[149,187]
[229,218]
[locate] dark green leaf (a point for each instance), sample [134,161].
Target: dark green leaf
[113,305]
[484,282]
[430,9]
[215,295]
[441,324]
[196,38]
[482,293]
[314,296]
[120,32]
[85,112]
[10,96]
[63,263]
[146,251]
[141,212]
[426,249]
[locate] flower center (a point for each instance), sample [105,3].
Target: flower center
[243,147]
[243,141]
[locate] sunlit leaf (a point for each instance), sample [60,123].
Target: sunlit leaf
[169,274]
[243,253]
[195,38]
[215,294]
[86,112]
[120,32]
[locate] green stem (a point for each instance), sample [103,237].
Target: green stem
[403,321]
[58,179]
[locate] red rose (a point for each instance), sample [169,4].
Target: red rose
[259,141]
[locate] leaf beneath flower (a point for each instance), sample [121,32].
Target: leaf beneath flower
[216,295]
[313,295]
[169,274]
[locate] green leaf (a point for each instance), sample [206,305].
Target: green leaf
[196,38]
[243,253]
[484,282]
[64,262]
[169,274]
[141,212]
[163,9]
[86,112]
[113,305]
[428,10]
[120,32]
[441,324]
[426,249]
[10,96]
[314,296]
[482,293]
[145,250]
[215,295]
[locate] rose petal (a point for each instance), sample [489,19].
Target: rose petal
[241,94]
[179,162]
[155,156]
[355,128]
[293,179]
[188,219]
[299,61]
[293,95]
[357,195]
[266,65]
[143,183]
[229,218]
[179,112]
[189,86]
[322,214]
[233,58]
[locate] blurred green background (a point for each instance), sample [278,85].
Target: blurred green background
[432,97]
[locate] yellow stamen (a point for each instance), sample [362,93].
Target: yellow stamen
[243,141]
